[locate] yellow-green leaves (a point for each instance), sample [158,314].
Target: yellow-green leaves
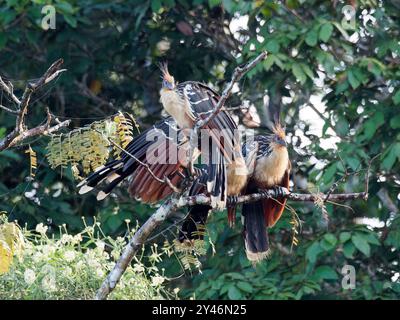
[33,161]
[11,243]
[90,146]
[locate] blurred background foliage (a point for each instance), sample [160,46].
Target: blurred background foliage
[334,70]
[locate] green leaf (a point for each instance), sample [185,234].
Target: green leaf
[330,238]
[373,238]
[11,155]
[272,46]
[348,250]
[229,5]
[245,286]
[170,3]
[352,79]
[396,97]
[70,20]
[329,173]
[325,272]
[235,275]
[7,16]
[353,163]
[64,7]
[3,40]
[342,126]
[395,122]
[298,73]
[313,251]
[344,236]
[361,244]
[328,243]
[234,293]
[155,5]
[325,32]
[268,63]
[391,156]
[312,38]
[214,3]
[371,125]
[307,70]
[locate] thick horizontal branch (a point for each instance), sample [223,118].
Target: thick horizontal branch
[170,206]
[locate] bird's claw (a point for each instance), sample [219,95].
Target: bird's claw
[232,201]
[279,191]
[264,193]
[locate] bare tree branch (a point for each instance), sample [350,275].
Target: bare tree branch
[170,206]
[21,132]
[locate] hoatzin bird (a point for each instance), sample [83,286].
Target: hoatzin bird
[269,166]
[189,102]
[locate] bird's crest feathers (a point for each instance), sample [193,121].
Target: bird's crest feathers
[165,73]
[279,131]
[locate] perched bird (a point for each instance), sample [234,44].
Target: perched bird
[269,166]
[189,102]
[155,162]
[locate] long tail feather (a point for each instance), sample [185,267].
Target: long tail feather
[254,231]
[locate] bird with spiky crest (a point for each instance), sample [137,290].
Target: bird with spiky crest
[269,167]
[189,102]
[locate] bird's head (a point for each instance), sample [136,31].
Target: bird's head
[279,136]
[168,81]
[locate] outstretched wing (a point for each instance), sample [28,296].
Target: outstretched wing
[157,154]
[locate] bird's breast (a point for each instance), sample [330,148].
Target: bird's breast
[270,170]
[176,107]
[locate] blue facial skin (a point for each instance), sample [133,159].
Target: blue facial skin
[280,141]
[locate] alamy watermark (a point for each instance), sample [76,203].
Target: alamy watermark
[349,277]
[49,20]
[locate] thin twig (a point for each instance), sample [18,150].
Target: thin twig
[238,73]
[9,110]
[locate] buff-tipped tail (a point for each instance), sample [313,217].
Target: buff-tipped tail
[254,232]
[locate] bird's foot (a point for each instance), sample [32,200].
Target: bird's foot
[264,193]
[232,201]
[279,191]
